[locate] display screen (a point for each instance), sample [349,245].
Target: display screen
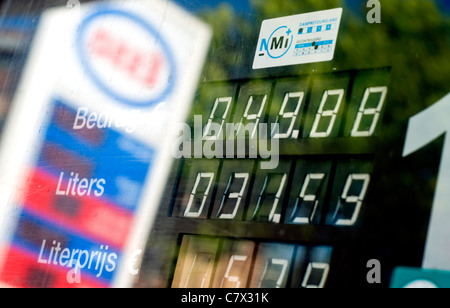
[311,186]
[233,144]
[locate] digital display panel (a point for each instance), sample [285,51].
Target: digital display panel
[308,150]
[311,187]
[223,263]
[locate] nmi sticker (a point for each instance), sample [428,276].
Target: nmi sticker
[298,39]
[126,57]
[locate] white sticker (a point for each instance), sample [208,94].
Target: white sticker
[298,39]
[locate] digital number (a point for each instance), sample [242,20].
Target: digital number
[316,275]
[228,277]
[223,263]
[234,264]
[331,112]
[272,189]
[423,128]
[207,134]
[350,202]
[292,116]
[272,265]
[233,195]
[306,198]
[274,273]
[198,276]
[364,112]
[196,262]
[254,117]
[193,199]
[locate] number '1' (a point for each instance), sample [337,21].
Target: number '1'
[423,128]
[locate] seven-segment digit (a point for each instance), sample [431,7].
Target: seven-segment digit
[307,199]
[228,277]
[351,200]
[365,111]
[213,118]
[253,114]
[201,189]
[316,275]
[290,116]
[271,190]
[233,195]
[327,111]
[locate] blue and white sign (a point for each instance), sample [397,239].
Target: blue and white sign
[298,39]
[86,150]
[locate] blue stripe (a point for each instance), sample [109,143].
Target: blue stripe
[32,231]
[305,45]
[19,23]
[124,170]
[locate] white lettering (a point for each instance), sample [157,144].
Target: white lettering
[193,298]
[41,260]
[91,120]
[79,187]
[230,142]
[77,259]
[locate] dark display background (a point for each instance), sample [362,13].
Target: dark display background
[393,222]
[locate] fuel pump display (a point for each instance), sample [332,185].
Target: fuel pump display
[224,144]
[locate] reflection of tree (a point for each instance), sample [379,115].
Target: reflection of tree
[229,47]
[413,38]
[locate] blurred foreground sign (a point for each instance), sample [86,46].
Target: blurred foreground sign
[86,149]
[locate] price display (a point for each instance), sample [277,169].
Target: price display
[223,263]
[224,144]
[238,223]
